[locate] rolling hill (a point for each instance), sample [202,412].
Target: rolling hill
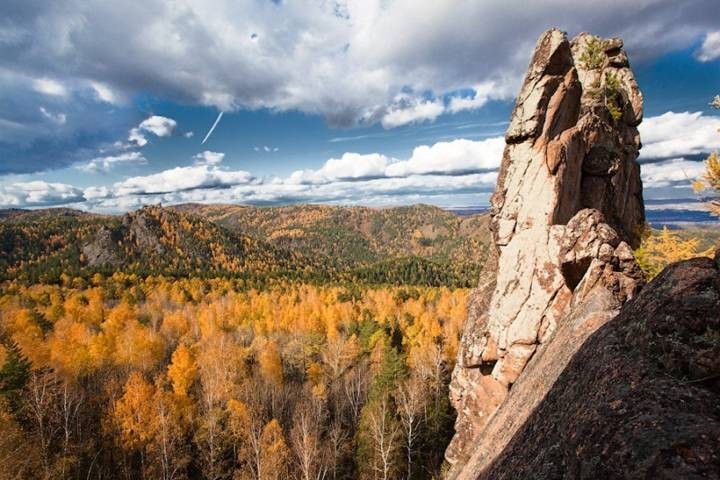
[404,245]
[358,235]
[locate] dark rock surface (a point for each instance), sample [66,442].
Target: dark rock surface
[641,398]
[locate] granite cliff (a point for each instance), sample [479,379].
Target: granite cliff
[565,215]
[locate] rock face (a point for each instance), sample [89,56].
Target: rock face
[139,230]
[566,211]
[640,398]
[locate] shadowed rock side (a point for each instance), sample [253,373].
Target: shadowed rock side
[566,211]
[639,399]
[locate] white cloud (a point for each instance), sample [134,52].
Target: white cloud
[234,54]
[104,93]
[106,163]
[38,193]
[457,156]
[136,136]
[412,111]
[351,166]
[156,124]
[695,205]
[379,191]
[59,118]
[181,179]
[50,87]
[461,167]
[676,172]
[94,193]
[209,158]
[679,134]
[189,134]
[482,93]
[266,149]
[710,48]
[453,169]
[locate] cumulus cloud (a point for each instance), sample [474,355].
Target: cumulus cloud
[445,168]
[378,191]
[481,94]
[156,124]
[87,56]
[450,169]
[412,111]
[106,163]
[351,166]
[710,48]
[182,179]
[675,172]
[679,134]
[363,52]
[135,136]
[209,158]
[38,193]
[455,157]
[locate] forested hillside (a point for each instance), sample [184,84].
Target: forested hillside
[153,240]
[353,236]
[316,244]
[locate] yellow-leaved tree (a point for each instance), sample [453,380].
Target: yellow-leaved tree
[182,370]
[270,363]
[658,250]
[274,453]
[710,180]
[134,413]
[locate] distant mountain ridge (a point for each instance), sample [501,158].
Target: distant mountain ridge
[351,235]
[418,244]
[42,245]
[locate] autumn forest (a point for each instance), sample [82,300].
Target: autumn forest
[213,357]
[223,342]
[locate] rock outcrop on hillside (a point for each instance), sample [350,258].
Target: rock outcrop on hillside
[639,399]
[140,231]
[566,211]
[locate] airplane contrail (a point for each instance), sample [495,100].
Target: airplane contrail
[212,129]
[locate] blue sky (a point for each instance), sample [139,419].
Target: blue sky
[104,107]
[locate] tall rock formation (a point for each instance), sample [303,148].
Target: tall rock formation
[566,211]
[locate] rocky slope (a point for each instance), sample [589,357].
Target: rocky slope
[639,399]
[566,211]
